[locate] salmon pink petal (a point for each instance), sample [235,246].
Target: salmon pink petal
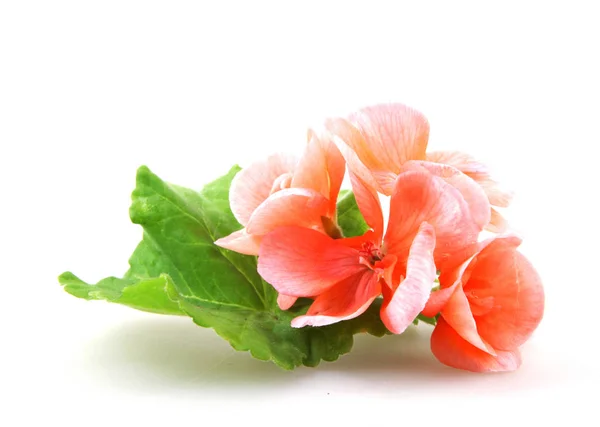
[285,301]
[452,350]
[345,136]
[346,300]
[472,193]
[393,134]
[292,206]
[457,312]
[302,262]
[422,197]
[311,171]
[252,185]
[241,242]
[437,300]
[479,172]
[410,297]
[369,205]
[505,276]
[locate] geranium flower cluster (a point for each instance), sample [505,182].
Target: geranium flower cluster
[430,259]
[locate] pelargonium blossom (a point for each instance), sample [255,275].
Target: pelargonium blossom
[377,141]
[429,219]
[491,300]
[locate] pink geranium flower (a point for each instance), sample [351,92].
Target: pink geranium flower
[429,220]
[283,190]
[377,141]
[491,300]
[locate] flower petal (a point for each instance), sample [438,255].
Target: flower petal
[393,134]
[292,206]
[240,241]
[503,274]
[498,223]
[473,194]
[252,185]
[422,197]
[457,312]
[303,263]
[346,300]
[437,300]
[311,171]
[410,297]
[452,350]
[345,136]
[369,205]
[285,301]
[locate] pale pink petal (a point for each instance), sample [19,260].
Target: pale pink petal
[336,166]
[452,350]
[252,185]
[422,197]
[292,206]
[498,223]
[480,173]
[346,300]
[285,301]
[410,297]
[473,194]
[501,277]
[303,263]
[369,205]
[393,134]
[240,241]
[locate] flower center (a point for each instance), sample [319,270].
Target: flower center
[371,253]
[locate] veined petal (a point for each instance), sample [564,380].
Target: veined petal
[240,241]
[252,185]
[410,297]
[422,197]
[393,134]
[498,223]
[311,172]
[452,350]
[457,313]
[508,293]
[343,135]
[346,300]
[473,194]
[480,173]
[292,206]
[369,205]
[303,263]
[285,301]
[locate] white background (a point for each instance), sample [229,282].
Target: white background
[91,90]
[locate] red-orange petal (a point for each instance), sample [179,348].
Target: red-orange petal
[511,291]
[303,263]
[346,300]
[252,185]
[369,205]
[452,350]
[409,298]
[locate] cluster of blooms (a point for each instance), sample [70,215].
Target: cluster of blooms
[489,298]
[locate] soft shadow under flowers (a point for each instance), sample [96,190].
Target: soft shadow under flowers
[169,352]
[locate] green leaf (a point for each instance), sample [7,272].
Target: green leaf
[177,269]
[350,220]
